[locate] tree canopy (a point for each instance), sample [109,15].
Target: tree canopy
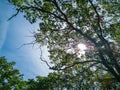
[63,24]
[10,78]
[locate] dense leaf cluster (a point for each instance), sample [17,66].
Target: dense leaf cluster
[11,79]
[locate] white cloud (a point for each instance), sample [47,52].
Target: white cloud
[3,32]
[4,15]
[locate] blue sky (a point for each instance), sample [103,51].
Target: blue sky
[15,33]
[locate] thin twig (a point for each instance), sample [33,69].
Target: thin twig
[42,59]
[14,15]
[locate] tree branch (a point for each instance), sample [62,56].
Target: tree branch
[14,15]
[42,59]
[75,63]
[98,17]
[71,25]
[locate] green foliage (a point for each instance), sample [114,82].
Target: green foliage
[41,83]
[63,24]
[10,78]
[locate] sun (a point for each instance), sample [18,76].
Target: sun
[81,47]
[79,50]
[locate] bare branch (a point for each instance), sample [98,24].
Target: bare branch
[32,43]
[42,59]
[14,15]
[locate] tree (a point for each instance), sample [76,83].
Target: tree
[10,78]
[66,23]
[51,82]
[41,83]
